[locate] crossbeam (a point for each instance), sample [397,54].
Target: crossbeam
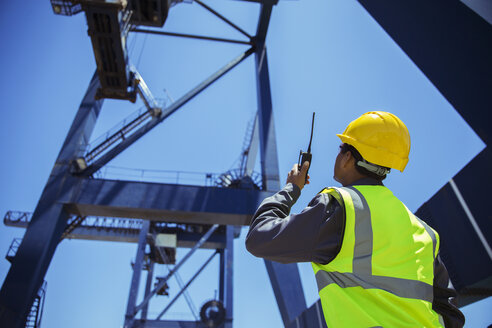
[164,202]
[190,36]
[164,324]
[223,18]
[123,230]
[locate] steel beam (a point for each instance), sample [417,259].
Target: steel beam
[312,317]
[226,277]
[253,148]
[49,219]
[263,22]
[191,36]
[185,239]
[267,2]
[164,202]
[148,286]
[268,143]
[287,287]
[459,211]
[122,230]
[167,324]
[137,270]
[285,278]
[451,45]
[237,28]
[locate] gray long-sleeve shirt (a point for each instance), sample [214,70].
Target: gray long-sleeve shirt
[316,234]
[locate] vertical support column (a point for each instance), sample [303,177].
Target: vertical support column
[253,148]
[148,285]
[222,276]
[285,278]
[228,270]
[287,287]
[49,219]
[137,270]
[268,142]
[226,276]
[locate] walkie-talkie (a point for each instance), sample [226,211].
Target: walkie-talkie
[306,156]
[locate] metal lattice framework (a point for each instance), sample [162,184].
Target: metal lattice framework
[96,211]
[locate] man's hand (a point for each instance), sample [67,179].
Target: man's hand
[298,177]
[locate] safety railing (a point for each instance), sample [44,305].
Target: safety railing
[161,176]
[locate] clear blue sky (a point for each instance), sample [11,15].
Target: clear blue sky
[325,56]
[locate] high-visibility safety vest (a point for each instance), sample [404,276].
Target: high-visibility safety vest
[383,275]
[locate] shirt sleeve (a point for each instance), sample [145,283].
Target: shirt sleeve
[314,235]
[444,297]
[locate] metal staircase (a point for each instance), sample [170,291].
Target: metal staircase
[35,314]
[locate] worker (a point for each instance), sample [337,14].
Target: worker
[376,264]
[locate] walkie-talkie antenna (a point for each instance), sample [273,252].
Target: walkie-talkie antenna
[306,156]
[311,139]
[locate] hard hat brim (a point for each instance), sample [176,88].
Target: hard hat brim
[374,155]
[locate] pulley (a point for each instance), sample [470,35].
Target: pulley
[212,314]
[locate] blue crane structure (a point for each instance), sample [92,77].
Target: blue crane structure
[169,215]
[160,217]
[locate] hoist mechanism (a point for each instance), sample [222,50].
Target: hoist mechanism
[108,25]
[145,12]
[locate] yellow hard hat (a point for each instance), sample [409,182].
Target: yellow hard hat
[381,138]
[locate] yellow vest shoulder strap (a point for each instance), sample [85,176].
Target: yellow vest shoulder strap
[335,193]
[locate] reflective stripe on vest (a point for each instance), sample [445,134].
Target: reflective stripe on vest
[400,287]
[353,266]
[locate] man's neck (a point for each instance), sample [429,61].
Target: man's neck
[352,177]
[365,180]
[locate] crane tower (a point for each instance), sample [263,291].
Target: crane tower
[76,199]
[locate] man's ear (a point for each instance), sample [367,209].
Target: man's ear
[347,159]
